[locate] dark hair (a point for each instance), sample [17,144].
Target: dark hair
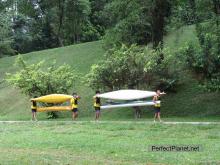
[74,93]
[97,91]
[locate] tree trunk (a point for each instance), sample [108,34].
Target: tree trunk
[159,11]
[61,15]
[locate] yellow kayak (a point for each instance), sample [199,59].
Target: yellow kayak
[55,108]
[53,98]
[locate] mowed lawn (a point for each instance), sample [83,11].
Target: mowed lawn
[105,143]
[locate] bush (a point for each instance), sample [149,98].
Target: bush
[133,67]
[33,81]
[204,59]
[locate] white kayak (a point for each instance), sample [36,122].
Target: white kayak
[131,104]
[129,94]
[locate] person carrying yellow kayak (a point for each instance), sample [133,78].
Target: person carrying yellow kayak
[74,105]
[34,110]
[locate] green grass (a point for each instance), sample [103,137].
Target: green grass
[189,103]
[105,143]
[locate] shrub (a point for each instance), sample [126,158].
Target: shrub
[34,81]
[133,67]
[204,59]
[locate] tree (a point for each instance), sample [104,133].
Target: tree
[159,11]
[97,18]
[6,38]
[33,81]
[76,16]
[21,34]
[122,68]
[129,22]
[136,21]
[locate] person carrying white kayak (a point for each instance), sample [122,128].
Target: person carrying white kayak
[157,106]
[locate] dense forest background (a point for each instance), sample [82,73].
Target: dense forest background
[29,25]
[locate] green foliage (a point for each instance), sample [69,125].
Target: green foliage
[38,25]
[76,16]
[165,67]
[134,67]
[185,12]
[97,18]
[204,59]
[129,22]
[21,34]
[89,33]
[33,81]
[135,22]
[213,84]
[122,68]
[188,12]
[5,35]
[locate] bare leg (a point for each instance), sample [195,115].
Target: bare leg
[96,115]
[155,117]
[75,115]
[34,116]
[159,116]
[72,115]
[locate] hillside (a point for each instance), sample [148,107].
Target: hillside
[189,102]
[15,105]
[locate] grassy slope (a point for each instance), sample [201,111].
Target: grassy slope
[104,143]
[189,101]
